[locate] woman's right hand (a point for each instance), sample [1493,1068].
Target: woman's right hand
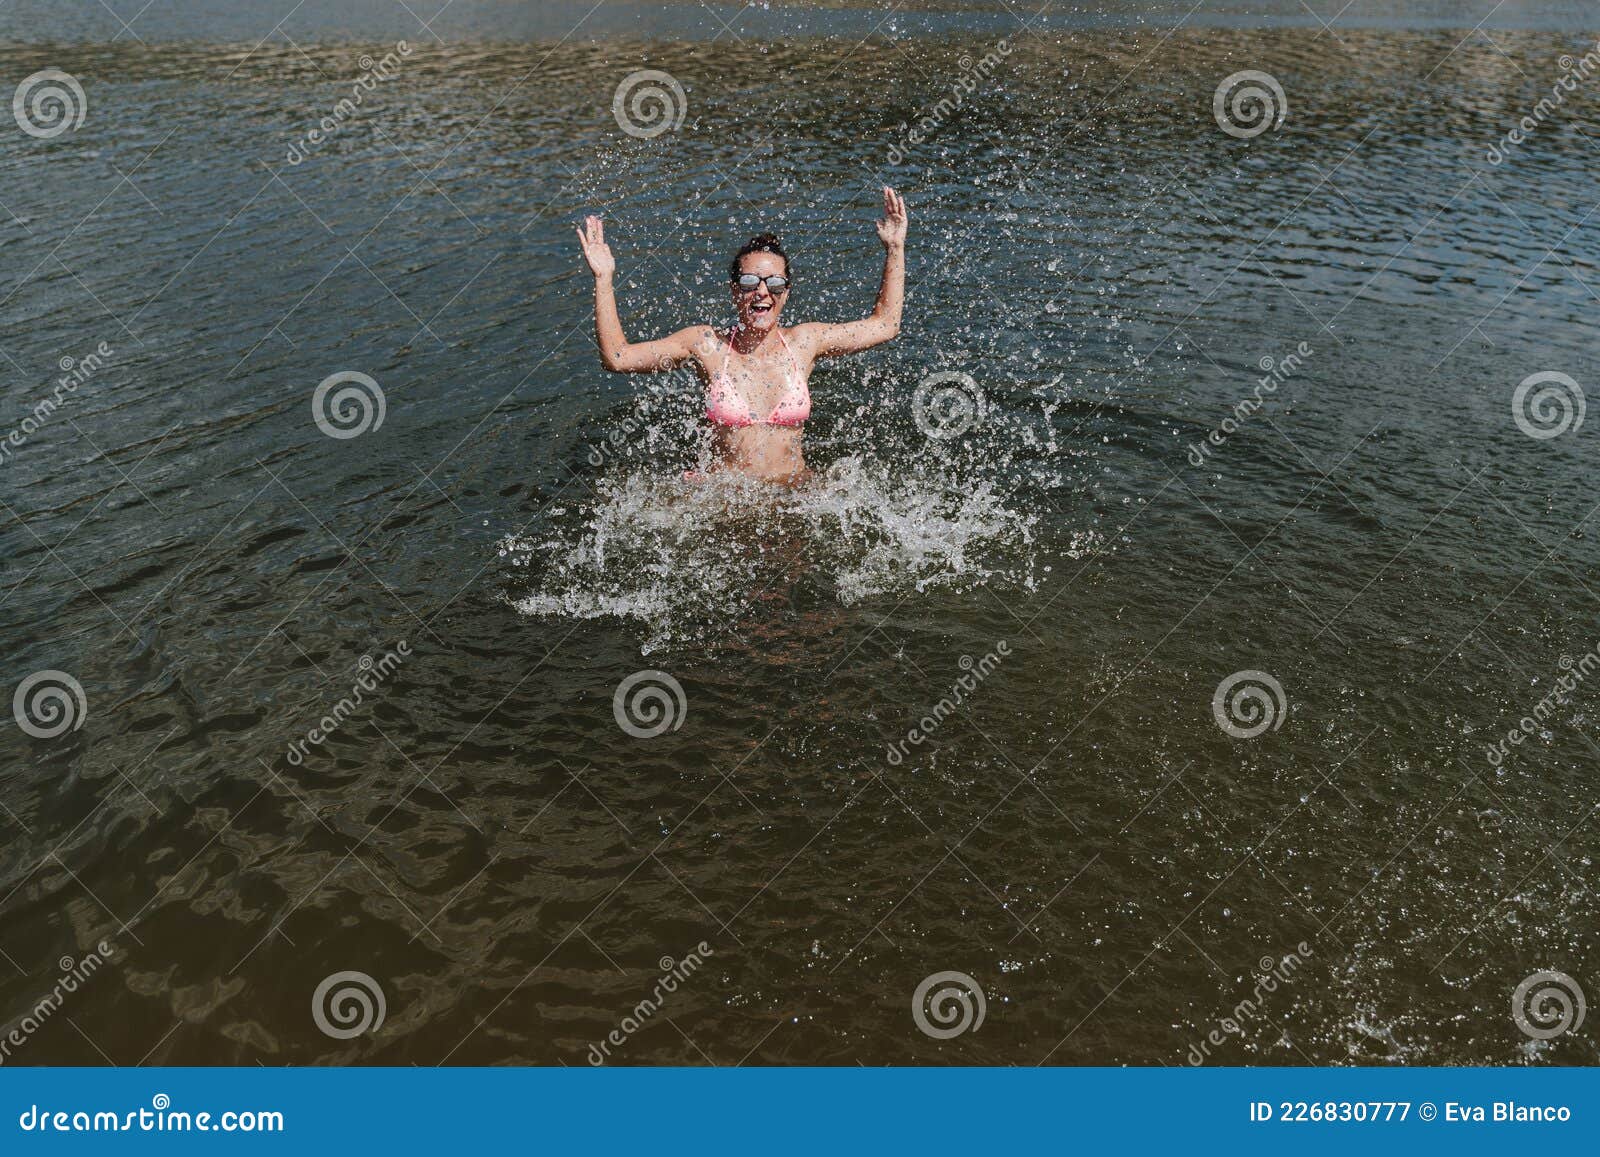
[592,236]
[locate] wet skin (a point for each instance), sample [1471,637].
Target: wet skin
[758,363]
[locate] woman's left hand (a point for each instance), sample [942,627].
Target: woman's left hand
[892,229]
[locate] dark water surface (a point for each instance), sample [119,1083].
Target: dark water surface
[1079,836]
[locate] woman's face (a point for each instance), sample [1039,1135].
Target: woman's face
[759,307]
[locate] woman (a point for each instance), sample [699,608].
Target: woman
[756,375]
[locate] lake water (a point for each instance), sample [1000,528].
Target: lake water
[1234,404]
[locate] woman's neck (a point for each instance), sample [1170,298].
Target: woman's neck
[747,341]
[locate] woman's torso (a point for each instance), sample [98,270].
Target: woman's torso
[756,404]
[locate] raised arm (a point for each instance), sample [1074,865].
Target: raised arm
[616,352]
[883,323]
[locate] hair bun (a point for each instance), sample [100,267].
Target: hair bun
[760,243]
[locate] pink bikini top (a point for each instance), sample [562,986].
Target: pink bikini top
[725,405]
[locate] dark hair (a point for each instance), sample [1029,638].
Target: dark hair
[760,243]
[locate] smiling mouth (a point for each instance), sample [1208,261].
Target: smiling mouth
[761,307]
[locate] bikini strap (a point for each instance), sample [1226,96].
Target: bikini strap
[793,361]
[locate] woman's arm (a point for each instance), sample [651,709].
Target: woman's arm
[883,323]
[616,352]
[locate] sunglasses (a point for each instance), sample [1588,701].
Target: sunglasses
[747,283]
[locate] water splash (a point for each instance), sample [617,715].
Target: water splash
[689,560]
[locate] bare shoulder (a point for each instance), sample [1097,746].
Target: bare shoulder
[807,335]
[806,330]
[699,341]
[696,337]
